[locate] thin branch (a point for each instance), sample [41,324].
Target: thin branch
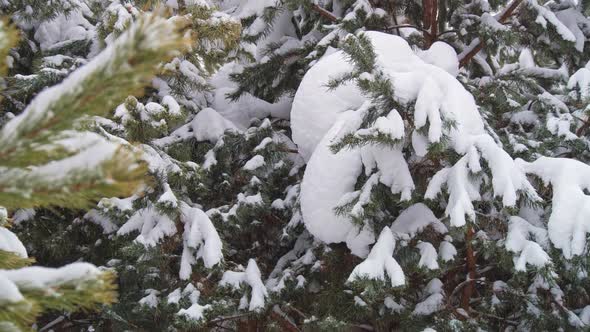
[226,318]
[510,322]
[324,13]
[405,26]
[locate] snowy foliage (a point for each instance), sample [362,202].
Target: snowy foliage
[296,165]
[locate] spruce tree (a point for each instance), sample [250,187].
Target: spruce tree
[332,165]
[49,160]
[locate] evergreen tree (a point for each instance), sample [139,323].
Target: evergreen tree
[49,160]
[332,165]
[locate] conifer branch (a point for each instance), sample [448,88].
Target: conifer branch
[477,44]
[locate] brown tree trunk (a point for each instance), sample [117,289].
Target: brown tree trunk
[430,21]
[470,267]
[247,325]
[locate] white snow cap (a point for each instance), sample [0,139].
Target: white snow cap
[208,125]
[415,219]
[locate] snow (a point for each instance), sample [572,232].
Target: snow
[200,240]
[581,80]
[195,312]
[248,107]
[9,291]
[433,302]
[175,296]
[518,240]
[428,256]
[172,105]
[10,242]
[490,22]
[37,277]
[585,315]
[250,200]
[570,212]
[380,261]
[443,56]
[525,59]
[252,277]
[545,15]
[419,143]
[254,163]
[152,226]
[319,118]
[327,178]
[414,220]
[446,250]
[168,198]
[151,299]
[575,22]
[22,215]
[208,125]
[314,101]
[65,29]
[392,305]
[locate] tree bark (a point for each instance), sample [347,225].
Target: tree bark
[470,262]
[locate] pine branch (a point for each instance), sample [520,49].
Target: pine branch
[122,69]
[8,39]
[477,45]
[10,260]
[74,168]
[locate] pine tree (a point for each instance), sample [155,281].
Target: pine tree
[48,159]
[335,165]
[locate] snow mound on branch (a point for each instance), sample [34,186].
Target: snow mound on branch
[248,107]
[321,117]
[200,240]
[379,261]
[443,56]
[570,214]
[518,240]
[321,192]
[208,125]
[581,80]
[253,278]
[65,28]
[315,108]
[42,278]
[152,225]
[414,220]
[10,242]
[408,73]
